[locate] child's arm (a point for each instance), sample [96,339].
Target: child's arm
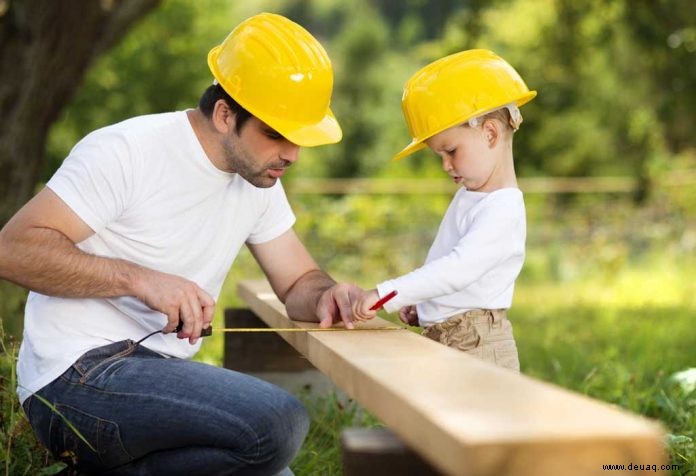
[490,245]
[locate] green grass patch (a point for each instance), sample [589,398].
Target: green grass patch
[20,452]
[321,453]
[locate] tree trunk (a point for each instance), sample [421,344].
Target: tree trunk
[46,47]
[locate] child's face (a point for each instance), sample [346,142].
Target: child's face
[466,155]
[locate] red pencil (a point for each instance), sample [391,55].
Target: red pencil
[378,305]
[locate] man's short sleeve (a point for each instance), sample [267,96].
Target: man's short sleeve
[95,180]
[276,218]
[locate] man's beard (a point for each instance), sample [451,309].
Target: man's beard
[244,166]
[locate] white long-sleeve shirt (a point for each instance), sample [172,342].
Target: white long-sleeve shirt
[474,261]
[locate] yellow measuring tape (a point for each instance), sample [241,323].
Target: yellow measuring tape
[305,329]
[209,330]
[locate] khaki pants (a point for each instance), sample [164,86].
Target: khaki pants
[483,333]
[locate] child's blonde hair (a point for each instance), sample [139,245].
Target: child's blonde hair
[509,115]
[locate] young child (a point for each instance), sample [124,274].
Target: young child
[465,108]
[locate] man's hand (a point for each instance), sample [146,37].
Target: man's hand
[336,304]
[179,299]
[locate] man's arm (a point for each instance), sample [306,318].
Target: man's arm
[308,292]
[37,251]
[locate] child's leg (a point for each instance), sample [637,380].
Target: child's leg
[497,342]
[483,333]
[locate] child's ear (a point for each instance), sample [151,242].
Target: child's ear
[491,132]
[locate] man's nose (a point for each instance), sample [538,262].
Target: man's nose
[291,152]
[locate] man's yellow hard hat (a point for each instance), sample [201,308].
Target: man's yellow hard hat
[455,89]
[281,74]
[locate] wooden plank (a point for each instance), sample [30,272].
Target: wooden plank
[464,416]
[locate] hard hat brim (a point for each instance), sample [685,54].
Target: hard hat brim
[326,131]
[414,146]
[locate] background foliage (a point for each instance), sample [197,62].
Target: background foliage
[616,80]
[606,301]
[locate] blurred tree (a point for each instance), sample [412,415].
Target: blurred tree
[159,67]
[431,16]
[45,48]
[615,81]
[665,33]
[362,45]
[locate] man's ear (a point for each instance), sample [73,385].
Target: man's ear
[491,132]
[224,119]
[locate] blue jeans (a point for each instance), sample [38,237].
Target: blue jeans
[149,415]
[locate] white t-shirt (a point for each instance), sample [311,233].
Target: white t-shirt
[472,264]
[151,195]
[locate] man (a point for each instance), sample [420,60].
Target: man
[136,232]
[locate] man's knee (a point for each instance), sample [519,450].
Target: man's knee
[299,418]
[287,435]
[293,429]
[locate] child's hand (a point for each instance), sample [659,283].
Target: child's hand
[362,305]
[409,315]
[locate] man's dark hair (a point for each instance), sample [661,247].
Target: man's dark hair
[212,95]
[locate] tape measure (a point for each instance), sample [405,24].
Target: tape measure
[209,330]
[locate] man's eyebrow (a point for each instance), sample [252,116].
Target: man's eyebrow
[269,130]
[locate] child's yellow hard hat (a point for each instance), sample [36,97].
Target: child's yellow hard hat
[455,89]
[281,74]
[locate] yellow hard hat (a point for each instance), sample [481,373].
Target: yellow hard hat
[281,74]
[457,88]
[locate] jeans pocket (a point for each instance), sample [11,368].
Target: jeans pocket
[98,446]
[91,366]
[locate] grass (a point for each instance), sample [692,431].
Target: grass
[321,453]
[605,306]
[622,354]
[20,453]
